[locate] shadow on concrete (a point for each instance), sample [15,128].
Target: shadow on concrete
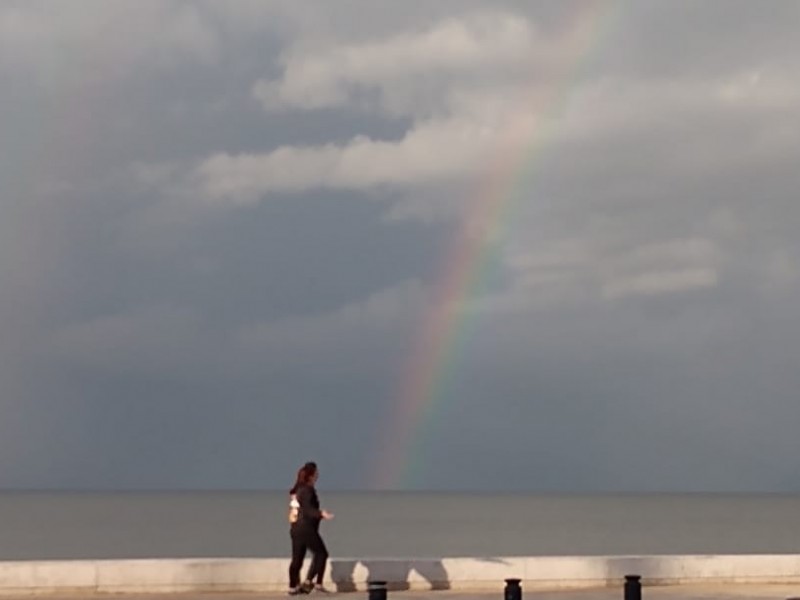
[396,573]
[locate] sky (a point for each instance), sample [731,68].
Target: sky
[451,245]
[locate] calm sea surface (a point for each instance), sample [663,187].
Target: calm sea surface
[48,525]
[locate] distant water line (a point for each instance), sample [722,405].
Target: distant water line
[51,525]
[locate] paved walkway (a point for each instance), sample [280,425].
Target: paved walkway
[669,592]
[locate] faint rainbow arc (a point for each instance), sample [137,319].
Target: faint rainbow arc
[469,259]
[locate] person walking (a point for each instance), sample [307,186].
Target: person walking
[305,515]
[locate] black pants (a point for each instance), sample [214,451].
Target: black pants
[302,541]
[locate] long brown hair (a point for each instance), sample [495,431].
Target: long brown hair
[304,476]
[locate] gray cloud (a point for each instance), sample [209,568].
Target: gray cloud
[224,225]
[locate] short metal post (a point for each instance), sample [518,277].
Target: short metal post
[376,590]
[633,587]
[513,591]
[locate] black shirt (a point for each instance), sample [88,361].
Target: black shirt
[310,513]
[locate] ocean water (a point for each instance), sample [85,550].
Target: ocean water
[62,525]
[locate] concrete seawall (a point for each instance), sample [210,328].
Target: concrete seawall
[263,575]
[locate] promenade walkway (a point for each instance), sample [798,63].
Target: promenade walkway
[667,592]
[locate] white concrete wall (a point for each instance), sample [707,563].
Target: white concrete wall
[260,575]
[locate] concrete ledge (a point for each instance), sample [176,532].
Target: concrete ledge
[264,574]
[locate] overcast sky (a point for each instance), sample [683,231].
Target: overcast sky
[223,226]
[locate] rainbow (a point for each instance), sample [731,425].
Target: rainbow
[470,258]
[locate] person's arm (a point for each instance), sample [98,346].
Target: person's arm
[325,514]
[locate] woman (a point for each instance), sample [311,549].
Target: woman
[305,516]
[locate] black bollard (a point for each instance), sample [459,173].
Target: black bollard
[513,591]
[633,587]
[376,590]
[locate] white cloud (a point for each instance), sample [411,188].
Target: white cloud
[678,265]
[695,251]
[481,91]
[579,270]
[661,282]
[432,152]
[410,71]
[482,125]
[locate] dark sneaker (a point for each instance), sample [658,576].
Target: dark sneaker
[295,591]
[306,587]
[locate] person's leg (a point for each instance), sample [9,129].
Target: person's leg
[298,554]
[316,571]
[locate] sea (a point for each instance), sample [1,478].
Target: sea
[105,525]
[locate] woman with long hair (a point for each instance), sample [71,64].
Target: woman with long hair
[305,516]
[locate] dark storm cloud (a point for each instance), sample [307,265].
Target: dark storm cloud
[223,223]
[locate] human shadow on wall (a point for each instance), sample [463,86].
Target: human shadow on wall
[396,573]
